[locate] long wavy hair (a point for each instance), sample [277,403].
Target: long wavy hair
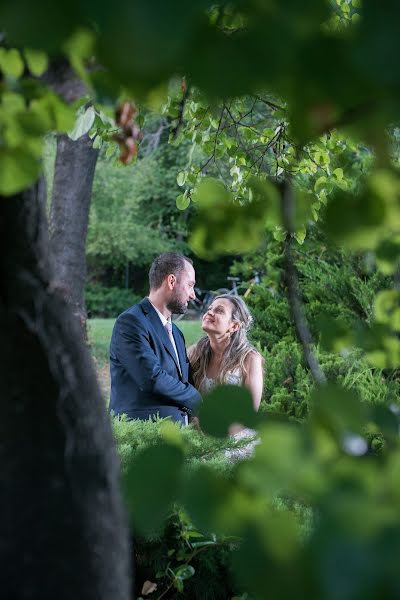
[236,352]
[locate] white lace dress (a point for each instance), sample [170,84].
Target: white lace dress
[246,451]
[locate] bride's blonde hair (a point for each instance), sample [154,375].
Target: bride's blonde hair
[236,352]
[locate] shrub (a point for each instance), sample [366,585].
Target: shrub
[161,554]
[159,559]
[288,382]
[332,283]
[134,436]
[107,302]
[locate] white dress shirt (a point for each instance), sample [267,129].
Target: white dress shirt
[164,321]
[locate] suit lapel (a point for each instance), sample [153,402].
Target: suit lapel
[160,330]
[180,346]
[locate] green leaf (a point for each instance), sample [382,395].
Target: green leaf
[98,142]
[279,234]
[265,193]
[37,61]
[182,202]
[184,572]
[388,255]
[12,103]
[226,405]
[215,503]
[300,235]
[355,219]
[335,333]
[181,178]
[265,552]
[36,121]
[386,420]
[385,184]
[387,355]
[178,584]
[18,170]
[11,62]
[79,47]
[338,173]
[211,234]
[150,485]
[338,409]
[387,308]
[381,345]
[279,461]
[320,183]
[83,123]
[111,150]
[62,115]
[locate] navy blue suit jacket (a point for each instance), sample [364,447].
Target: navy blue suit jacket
[145,378]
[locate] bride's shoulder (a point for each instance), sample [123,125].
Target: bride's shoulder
[253,358]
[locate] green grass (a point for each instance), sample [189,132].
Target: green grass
[99,332]
[191,330]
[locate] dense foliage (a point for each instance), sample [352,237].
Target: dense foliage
[108,302]
[132,217]
[336,287]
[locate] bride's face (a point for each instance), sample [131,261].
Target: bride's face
[218,318]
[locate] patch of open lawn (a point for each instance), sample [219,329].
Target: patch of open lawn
[191,330]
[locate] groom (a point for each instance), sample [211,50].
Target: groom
[148,361]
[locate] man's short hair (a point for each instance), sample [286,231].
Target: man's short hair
[166,264]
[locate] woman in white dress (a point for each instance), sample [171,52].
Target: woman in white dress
[225,355]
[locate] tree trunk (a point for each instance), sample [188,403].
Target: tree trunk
[72,190]
[63,532]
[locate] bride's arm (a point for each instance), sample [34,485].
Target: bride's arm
[254,378]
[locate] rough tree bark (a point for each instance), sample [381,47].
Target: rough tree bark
[72,192]
[62,525]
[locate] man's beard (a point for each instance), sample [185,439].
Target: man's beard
[177,306]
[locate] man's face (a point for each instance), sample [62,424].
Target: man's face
[183,290]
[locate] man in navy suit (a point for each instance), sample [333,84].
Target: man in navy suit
[150,371]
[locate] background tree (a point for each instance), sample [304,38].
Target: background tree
[69,216]
[71,191]
[133,216]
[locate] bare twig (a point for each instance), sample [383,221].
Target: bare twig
[270,104]
[151,140]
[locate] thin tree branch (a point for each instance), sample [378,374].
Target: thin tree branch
[269,103]
[191,557]
[294,294]
[151,140]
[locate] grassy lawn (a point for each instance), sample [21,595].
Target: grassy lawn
[99,331]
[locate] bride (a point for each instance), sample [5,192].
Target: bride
[225,355]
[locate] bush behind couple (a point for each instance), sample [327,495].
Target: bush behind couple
[151,373]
